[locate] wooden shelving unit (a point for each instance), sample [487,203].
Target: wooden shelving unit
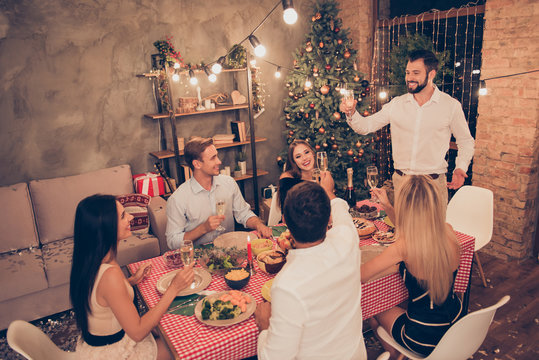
[167,154]
[218,108]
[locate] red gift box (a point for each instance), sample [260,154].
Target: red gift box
[149,184]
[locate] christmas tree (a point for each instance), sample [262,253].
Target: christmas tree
[326,59]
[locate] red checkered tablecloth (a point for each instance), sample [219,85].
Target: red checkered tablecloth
[193,340]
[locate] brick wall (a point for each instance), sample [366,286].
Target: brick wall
[507,139]
[357,15]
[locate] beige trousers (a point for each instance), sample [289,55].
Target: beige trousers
[441,184]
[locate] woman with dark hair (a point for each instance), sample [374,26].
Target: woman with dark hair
[299,167]
[102,297]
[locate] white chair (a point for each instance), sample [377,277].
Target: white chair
[274,216]
[462,339]
[470,211]
[34,344]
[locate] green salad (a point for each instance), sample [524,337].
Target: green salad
[215,309]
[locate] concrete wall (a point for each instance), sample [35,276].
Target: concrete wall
[507,139]
[70,100]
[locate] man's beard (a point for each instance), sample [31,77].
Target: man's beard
[418,88]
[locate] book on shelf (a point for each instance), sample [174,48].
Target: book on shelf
[238,129]
[219,139]
[187,172]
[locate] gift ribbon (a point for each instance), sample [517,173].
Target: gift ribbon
[146,183]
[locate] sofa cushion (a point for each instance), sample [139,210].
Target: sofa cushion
[57,256]
[17,224]
[137,205]
[55,200]
[137,248]
[21,273]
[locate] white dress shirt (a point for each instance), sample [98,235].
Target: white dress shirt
[420,135]
[191,205]
[316,299]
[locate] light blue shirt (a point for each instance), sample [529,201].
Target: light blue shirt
[191,205]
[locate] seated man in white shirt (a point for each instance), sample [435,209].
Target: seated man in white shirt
[315,310]
[191,210]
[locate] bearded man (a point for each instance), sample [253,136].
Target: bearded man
[422,123]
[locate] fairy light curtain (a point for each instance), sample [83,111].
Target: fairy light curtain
[458,31]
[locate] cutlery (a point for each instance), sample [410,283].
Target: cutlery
[190,302]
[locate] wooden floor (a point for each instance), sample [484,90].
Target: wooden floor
[514,333]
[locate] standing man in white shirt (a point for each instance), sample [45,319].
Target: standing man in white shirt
[315,309]
[191,209]
[422,122]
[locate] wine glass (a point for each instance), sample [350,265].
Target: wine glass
[187,253]
[220,206]
[372,180]
[322,160]
[348,98]
[316,175]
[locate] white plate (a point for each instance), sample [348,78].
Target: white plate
[266,290]
[251,307]
[237,239]
[202,281]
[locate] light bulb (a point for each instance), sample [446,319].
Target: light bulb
[290,16]
[476,71]
[175,77]
[382,94]
[278,72]
[260,50]
[308,83]
[192,78]
[216,68]
[176,65]
[212,78]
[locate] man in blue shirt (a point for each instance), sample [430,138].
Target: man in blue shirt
[191,210]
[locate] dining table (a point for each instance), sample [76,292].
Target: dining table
[188,338]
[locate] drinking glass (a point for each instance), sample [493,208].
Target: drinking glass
[316,175]
[372,180]
[220,206]
[348,98]
[187,253]
[322,160]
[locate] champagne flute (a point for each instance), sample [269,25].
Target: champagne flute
[316,175]
[187,253]
[322,160]
[372,180]
[220,206]
[348,98]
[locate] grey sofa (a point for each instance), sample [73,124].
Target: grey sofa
[36,239]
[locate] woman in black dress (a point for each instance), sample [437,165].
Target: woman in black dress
[299,167]
[427,254]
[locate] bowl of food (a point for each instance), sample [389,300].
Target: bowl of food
[237,278]
[271,261]
[367,212]
[260,245]
[173,258]
[219,261]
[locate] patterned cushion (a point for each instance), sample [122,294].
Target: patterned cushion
[57,256]
[21,273]
[137,205]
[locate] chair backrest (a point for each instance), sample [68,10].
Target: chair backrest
[274,216]
[34,344]
[470,211]
[466,336]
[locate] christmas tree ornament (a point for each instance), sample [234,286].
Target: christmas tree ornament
[291,132]
[337,115]
[356,160]
[367,89]
[328,67]
[321,130]
[332,138]
[309,48]
[316,114]
[358,144]
[313,19]
[378,138]
[287,124]
[334,147]
[339,41]
[306,115]
[338,68]
[288,84]
[356,78]
[365,113]
[363,94]
[337,29]
[315,69]
[364,83]
[287,116]
[324,90]
[295,97]
[317,147]
[350,152]
[291,94]
[279,159]
[321,44]
[339,154]
[311,105]
[346,54]
[301,110]
[325,145]
[318,16]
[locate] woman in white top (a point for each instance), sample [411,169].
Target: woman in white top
[102,297]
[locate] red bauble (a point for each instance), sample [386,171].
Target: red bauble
[313,19]
[350,152]
[328,67]
[321,130]
[339,41]
[291,133]
[306,115]
[334,147]
[356,160]
[318,16]
[317,147]
[321,44]
[337,115]
[358,144]
[315,69]
[311,105]
[337,29]
[346,54]
[324,90]
[365,113]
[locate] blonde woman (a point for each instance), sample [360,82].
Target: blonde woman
[427,256]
